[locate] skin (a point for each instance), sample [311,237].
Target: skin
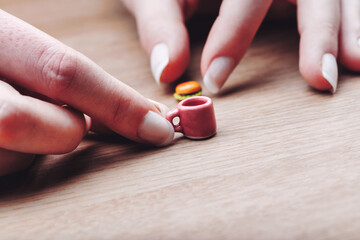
[325,26]
[39,74]
[48,75]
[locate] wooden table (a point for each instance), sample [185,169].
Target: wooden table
[285,163]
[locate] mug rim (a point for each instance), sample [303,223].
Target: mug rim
[208,101]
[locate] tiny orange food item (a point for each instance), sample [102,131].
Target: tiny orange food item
[187,89]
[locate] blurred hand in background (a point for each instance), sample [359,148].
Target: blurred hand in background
[328,28]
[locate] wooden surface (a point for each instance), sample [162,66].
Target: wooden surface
[285,163]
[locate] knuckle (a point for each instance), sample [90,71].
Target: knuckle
[58,69]
[330,29]
[120,109]
[322,29]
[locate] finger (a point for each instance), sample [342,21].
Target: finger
[99,128]
[11,162]
[30,125]
[41,64]
[163,35]
[24,91]
[319,26]
[350,34]
[229,38]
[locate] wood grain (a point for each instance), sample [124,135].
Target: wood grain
[284,164]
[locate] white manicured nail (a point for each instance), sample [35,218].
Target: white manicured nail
[330,70]
[156,130]
[161,107]
[159,60]
[358,42]
[216,75]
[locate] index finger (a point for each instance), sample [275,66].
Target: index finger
[229,38]
[42,64]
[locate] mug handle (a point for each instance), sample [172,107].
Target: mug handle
[170,117]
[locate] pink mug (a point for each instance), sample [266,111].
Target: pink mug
[197,117]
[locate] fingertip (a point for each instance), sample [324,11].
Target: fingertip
[321,74]
[229,38]
[217,73]
[159,60]
[169,61]
[176,67]
[164,36]
[166,40]
[329,71]
[156,130]
[319,24]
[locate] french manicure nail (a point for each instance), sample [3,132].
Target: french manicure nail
[217,73]
[159,60]
[330,70]
[161,107]
[156,130]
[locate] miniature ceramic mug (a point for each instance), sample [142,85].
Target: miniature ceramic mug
[197,117]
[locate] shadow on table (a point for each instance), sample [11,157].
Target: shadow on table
[94,154]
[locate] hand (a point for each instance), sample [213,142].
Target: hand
[324,25]
[62,86]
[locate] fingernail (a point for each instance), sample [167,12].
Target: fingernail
[88,122]
[216,75]
[163,109]
[159,60]
[358,42]
[330,70]
[156,130]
